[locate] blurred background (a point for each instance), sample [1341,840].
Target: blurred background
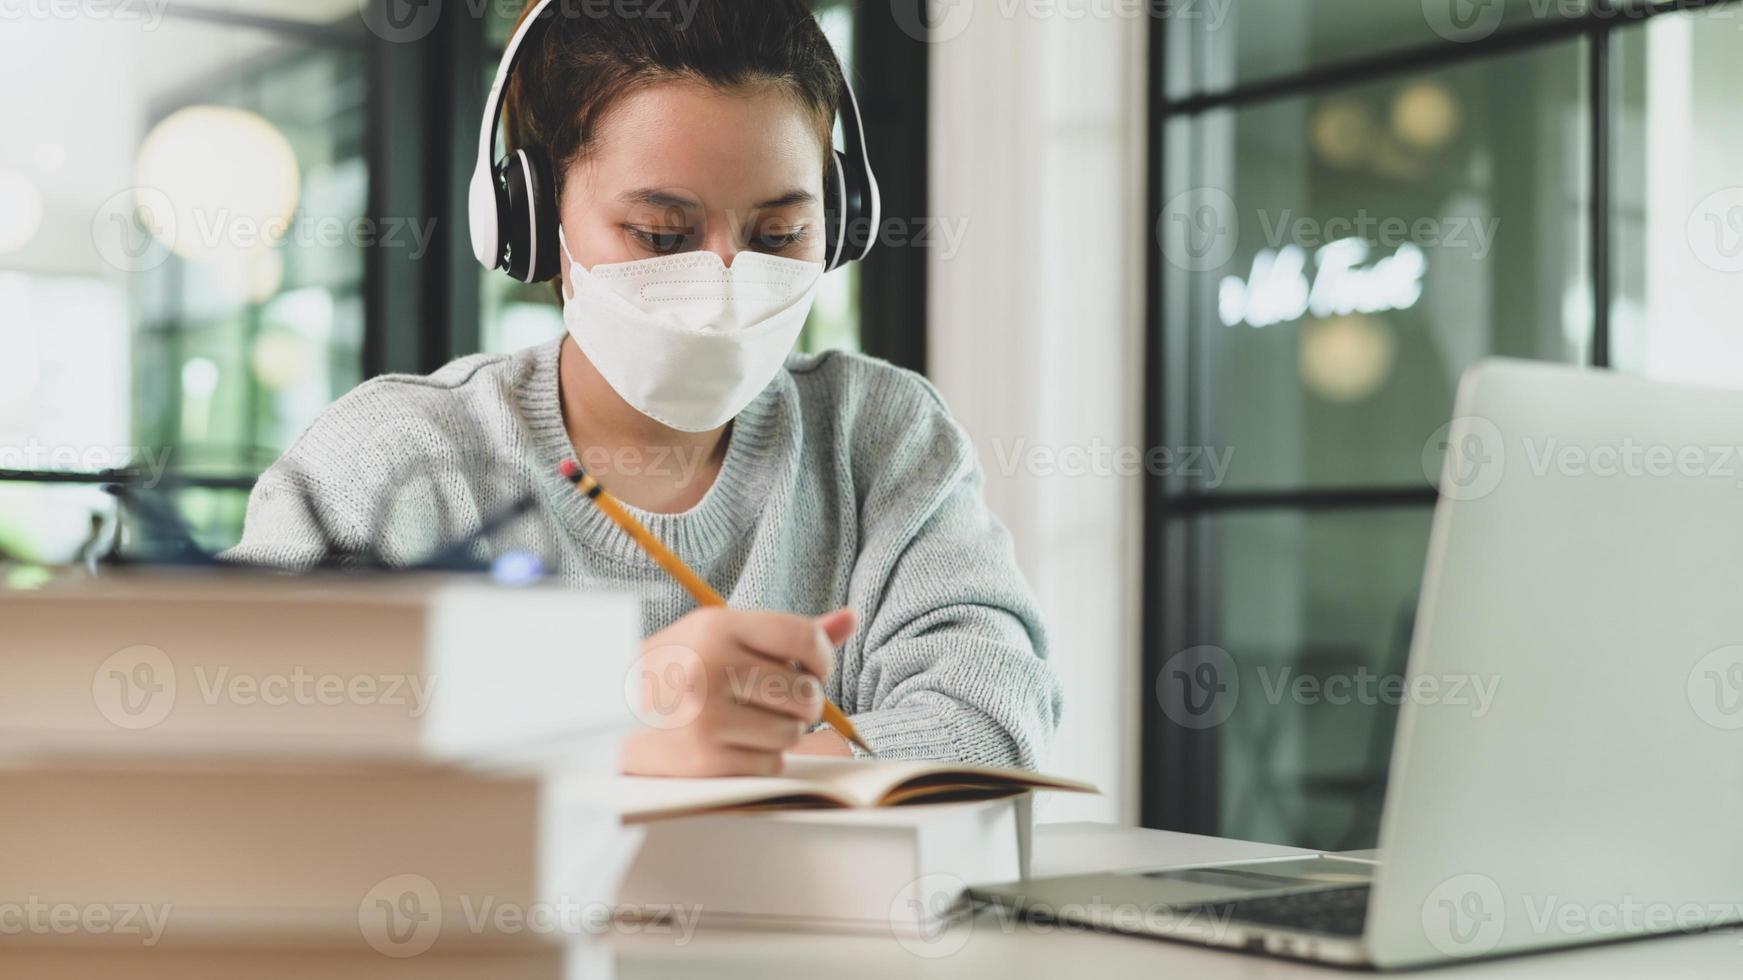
[1251,242]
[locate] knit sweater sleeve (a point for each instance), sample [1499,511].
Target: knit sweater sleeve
[952,657]
[374,475]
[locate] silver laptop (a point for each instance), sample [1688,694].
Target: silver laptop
[1587,559]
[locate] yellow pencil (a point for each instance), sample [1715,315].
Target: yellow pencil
[700,590]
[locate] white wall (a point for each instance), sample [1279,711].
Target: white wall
[1038,143]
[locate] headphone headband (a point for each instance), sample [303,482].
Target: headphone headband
[512,206]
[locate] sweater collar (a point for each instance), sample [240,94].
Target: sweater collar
[760,451]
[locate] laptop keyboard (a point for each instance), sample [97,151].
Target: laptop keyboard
[1329,911]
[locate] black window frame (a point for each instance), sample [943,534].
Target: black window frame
[1180,768]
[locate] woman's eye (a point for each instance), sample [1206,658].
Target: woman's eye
[777,241]
[659,240]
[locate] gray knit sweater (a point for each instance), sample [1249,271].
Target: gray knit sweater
[845,483]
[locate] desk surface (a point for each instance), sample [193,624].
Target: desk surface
[986,946]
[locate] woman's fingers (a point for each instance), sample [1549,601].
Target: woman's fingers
[838,626]
[747,727]
[749,679]
[783,638]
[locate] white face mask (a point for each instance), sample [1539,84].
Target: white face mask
[686,340]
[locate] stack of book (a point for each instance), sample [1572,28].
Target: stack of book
[376,763]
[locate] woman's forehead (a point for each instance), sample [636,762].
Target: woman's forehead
[691,140]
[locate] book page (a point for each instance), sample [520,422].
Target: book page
[813,781]
[879,783]
[640,798]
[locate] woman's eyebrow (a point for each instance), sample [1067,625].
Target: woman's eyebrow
[670,200]
[660,199]
[787,200]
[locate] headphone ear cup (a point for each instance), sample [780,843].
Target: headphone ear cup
[530,228]
[834,212]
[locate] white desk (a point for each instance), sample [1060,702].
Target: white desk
[994,946]
[988,946]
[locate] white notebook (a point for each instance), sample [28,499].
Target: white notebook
[811,782]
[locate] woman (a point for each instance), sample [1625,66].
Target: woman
[830,497]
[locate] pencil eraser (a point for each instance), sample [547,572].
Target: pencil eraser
[569,468]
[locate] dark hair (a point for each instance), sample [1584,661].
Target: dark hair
[584,58]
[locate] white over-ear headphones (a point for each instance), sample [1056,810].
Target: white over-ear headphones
[512,204]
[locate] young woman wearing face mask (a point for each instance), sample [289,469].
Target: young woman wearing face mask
[829,497]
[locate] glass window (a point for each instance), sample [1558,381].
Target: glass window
[1333,262]
[1214,45]
[1677,205]
[1305,617]
[181,250]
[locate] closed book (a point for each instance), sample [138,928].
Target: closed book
[898,871]
[840,844]
[248,664]
[399,861]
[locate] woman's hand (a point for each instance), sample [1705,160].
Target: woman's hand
[720,694]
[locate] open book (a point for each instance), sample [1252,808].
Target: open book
[810,782]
